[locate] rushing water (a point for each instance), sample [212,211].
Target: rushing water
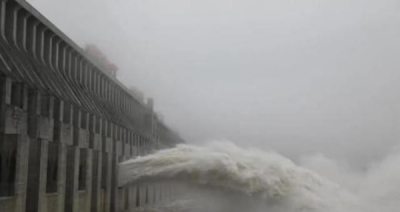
[227,178]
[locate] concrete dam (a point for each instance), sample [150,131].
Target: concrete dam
[66,124]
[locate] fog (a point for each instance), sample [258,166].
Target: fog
[300,77]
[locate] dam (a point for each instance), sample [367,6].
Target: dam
[66,123]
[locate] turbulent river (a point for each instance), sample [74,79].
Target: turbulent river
[223,177]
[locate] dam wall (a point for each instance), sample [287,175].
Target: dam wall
[65,124]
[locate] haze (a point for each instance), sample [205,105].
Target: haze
[301,77]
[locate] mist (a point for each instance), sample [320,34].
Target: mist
[300,77]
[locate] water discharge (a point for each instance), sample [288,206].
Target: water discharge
[223,177]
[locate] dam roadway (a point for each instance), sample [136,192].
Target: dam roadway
[66,123]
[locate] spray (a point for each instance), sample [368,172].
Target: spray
[226,177]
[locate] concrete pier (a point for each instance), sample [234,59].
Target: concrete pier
[65,124]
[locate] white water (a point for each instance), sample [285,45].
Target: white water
[266,181]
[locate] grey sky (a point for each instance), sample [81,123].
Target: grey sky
[296,76]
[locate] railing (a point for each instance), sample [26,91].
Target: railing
[145,195]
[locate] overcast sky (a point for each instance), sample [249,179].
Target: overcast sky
[296,76]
